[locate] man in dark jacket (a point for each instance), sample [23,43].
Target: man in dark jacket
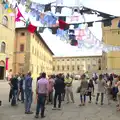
[59,88]
[14,90]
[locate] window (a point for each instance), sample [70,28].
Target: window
[58,67]
[63,60]
[78,68]
[67,59]
[53,68]
[33,49]
[62,67]
[22,48]
[73,67]
[77,59]
[22,34]
[5,21]
[67,67]
[3,46]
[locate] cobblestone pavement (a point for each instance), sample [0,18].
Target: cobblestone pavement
[69,111]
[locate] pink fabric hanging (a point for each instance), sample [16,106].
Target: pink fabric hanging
[7,63]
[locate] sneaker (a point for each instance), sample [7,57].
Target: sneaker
[36,116]
[59,108]
[54,108]
[101,103]
[96,103]
[43,116]
[29,112]
[89,101]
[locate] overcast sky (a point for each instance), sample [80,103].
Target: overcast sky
[62,49]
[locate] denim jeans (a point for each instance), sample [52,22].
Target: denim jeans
[81,98]
[14,97]
[28,100]
[41,104]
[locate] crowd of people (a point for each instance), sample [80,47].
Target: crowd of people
[55,88]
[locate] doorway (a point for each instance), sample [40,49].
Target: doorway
[2,72]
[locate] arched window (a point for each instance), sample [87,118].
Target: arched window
[5,21]
[3,46]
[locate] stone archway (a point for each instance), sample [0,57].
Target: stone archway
[2,69]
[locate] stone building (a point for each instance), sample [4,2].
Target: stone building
[7,30]
[76,65]
[111,36]
[31,53]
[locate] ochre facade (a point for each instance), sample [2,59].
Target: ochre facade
[31,53]
[76,65]
[111,36]
[7,30]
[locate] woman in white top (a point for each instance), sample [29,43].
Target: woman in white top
[118,94]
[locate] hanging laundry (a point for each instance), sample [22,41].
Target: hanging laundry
[74,42]
[63,25]
[31,28]
[71,37]
[47,7]
[41,29]
[71,31]
[54,29]
[90,24]
[23,2]
[40,7]
[62,18]
[59,2]
[58,9]
[6,6]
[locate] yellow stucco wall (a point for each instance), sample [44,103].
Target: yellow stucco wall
[88,63]
[40,58]
[111,36]
[7,36]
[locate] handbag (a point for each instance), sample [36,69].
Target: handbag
[78,89]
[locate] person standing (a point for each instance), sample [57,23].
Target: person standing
[28,93]
[118,94]
[69,91]
[21,87]
[101,84]
[59,88]
[42,89]
[14,90]
[83,89]
[51,85]
[90,89]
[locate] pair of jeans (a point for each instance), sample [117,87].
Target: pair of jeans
[57,95]
[102,97]
[41,104]
[14,97]
[81,98]
[28,100]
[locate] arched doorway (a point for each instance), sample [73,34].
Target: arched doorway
[2,69]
